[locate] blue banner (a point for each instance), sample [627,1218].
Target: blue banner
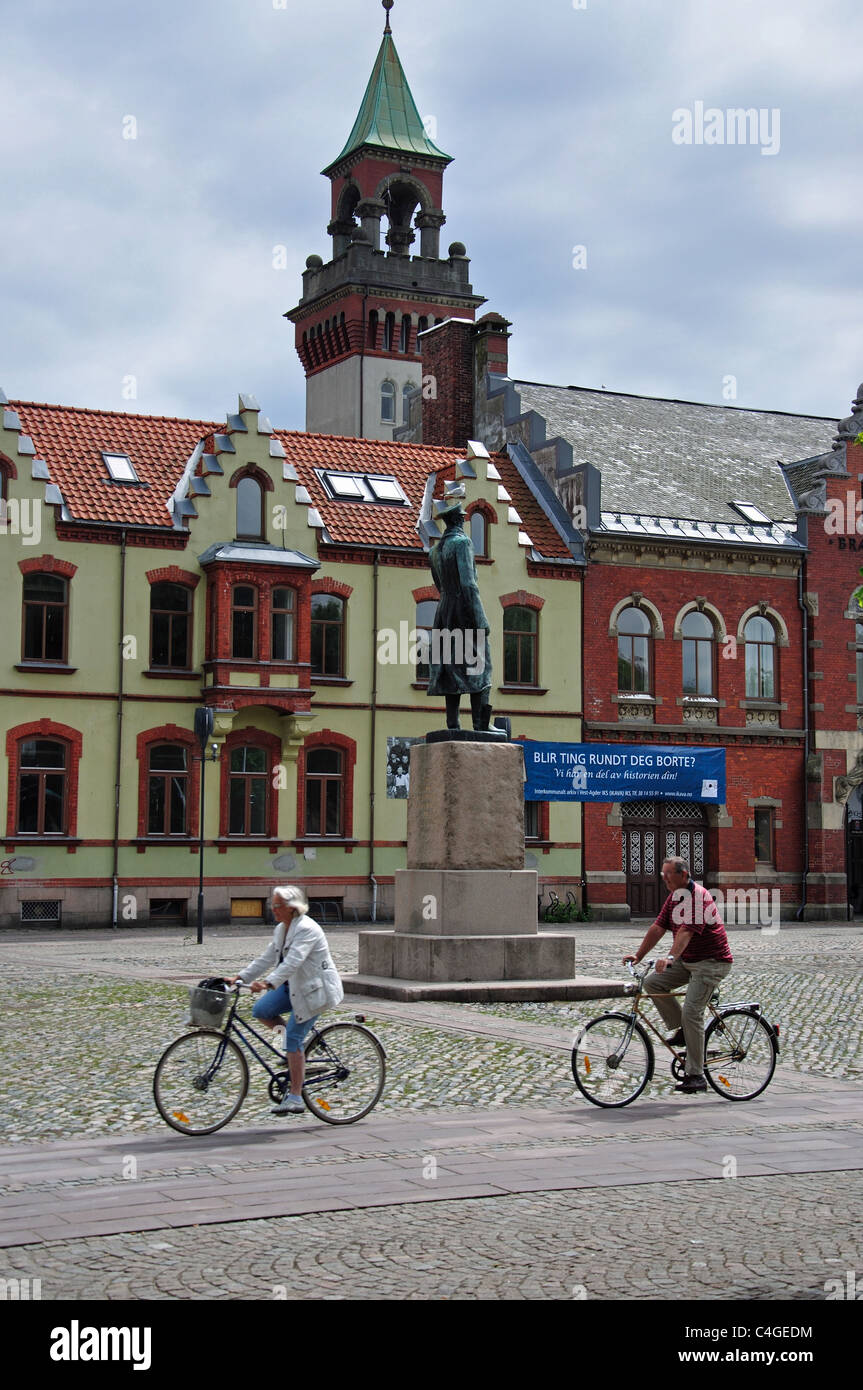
[623,772]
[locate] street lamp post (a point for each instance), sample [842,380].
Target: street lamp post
[203,733]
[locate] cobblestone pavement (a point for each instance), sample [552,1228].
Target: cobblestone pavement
[769,1238]
[85,1018]
[107,1007]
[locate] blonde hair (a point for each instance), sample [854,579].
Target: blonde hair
[291,895]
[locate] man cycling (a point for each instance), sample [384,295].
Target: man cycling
[699,958]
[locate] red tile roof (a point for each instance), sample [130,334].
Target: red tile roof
[71,441]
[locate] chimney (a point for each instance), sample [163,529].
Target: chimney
[447,397]
[491,352]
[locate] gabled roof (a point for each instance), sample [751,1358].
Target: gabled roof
[71,442]
[667,458]
[388,116]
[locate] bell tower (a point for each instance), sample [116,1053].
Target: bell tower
[359,321]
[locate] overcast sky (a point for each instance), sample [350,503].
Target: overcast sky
[152,257]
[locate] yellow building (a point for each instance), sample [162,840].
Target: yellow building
[154,566]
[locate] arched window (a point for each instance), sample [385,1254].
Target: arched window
[479,533]
[45,618]
[168,790]
[760,638]
[633,652]
[422,325]
[42,800]
[248,789]
[389,332]
[170,626]
[520,639]
[328,635]
[388,403]
[283,625]
[250,509]
[407,391]
[404,336]
[698,654]
[424,623]
[244,622]
[374,319]
[325,792]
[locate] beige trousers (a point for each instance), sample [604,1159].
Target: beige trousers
[701,978]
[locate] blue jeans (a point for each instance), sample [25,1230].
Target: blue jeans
[278,1001]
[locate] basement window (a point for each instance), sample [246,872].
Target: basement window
[120,468]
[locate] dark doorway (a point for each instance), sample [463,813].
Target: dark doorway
[654,831]
[854,853]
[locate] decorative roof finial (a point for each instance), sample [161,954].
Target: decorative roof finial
[388,4]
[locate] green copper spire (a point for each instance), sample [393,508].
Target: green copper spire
[388,116]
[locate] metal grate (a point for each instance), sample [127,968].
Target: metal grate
[40,911]
[638,810]
[684,810]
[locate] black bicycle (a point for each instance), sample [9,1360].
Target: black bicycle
[202,1079]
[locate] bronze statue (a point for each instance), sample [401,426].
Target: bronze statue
[460,661]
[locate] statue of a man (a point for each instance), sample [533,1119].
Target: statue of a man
[460,658]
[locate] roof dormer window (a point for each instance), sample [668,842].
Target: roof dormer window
[751,512]
[364,487]
[120,468]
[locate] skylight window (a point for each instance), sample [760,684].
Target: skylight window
[751,512]
[386,489]
[346,487]
[363,487]
[120,468]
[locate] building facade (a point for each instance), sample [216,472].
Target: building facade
[158,566]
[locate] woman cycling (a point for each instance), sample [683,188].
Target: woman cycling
[303,981]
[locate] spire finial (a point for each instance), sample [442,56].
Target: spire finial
[388,4]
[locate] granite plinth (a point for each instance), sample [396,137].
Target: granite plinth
[466,902]
[466,806]
[438,959]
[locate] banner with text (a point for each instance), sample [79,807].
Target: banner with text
[622,772]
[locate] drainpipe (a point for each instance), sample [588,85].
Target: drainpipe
[119,762]
[372,750]
[801,589]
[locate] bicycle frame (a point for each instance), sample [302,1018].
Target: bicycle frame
[238,1028]
[638,994]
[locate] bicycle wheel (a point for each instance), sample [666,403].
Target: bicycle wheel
[199,1084]
[739,1054]
[345,1073]
[612,1060]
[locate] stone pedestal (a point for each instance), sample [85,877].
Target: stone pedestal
[465,907]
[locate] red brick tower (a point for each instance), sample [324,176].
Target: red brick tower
[359,317]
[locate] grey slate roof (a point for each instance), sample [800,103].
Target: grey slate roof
[677,458]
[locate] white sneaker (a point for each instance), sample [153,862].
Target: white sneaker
[289,1105]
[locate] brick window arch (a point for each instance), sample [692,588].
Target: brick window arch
[480,515]
[8,472]
[167,735]
[172,574]
[251,483]
[247,794]
[49,780]
[314,780]
[326,585]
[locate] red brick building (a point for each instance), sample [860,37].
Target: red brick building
[722,550]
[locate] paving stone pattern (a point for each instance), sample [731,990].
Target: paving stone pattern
[702,1241]
[514,1210]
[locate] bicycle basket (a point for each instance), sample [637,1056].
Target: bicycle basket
[207,1003]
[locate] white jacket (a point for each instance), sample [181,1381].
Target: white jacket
[301,956]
